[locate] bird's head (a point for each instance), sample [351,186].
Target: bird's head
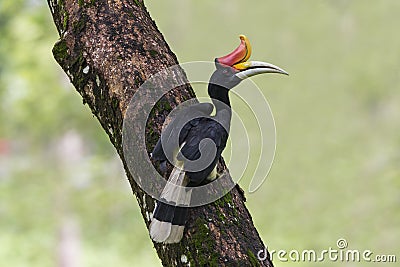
[234,67]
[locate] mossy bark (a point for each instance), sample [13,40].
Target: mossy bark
[108,49]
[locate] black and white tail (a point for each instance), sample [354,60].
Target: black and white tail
[169,220]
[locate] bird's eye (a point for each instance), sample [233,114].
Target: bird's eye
[225,71]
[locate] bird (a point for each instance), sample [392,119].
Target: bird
[199,135]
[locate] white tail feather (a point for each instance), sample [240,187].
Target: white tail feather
[175,235]
[160,231]
[175,190]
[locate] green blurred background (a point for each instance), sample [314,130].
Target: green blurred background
[335,175]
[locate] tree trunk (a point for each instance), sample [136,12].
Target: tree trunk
[108,49]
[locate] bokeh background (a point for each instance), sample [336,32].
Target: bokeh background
[336,174]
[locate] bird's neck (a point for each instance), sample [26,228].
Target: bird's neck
[220,98]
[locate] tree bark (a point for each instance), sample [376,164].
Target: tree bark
[108,49]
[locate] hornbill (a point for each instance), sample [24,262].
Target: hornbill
[170,214]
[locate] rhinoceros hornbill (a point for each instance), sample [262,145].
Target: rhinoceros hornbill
[170,214]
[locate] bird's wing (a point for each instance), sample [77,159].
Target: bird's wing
[202,108]
[209,150]
[174,128]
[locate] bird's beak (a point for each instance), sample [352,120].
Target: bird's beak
[251,68]
[238,60]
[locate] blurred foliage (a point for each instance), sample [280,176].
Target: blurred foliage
[336,172]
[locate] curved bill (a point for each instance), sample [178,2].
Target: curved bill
[251,68]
